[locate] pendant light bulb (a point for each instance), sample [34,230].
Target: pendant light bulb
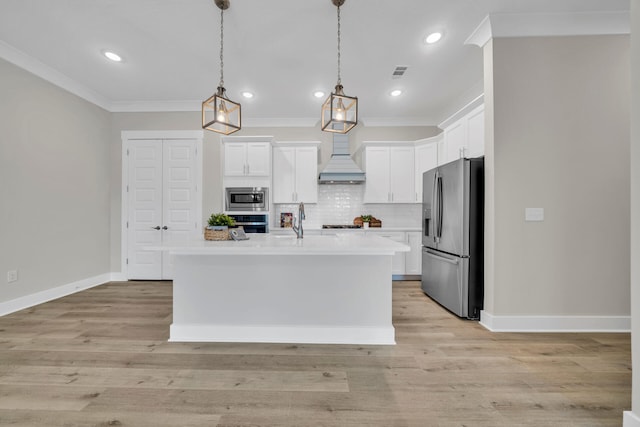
[222,112]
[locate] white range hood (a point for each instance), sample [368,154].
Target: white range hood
[341,168]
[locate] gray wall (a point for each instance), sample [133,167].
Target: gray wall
[635,203]
[560,141]
[212,185]
[54,185]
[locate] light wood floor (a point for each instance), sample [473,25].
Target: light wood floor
[101,358]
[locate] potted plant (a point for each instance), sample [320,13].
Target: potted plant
[220,221]
[365,220]
[218,228]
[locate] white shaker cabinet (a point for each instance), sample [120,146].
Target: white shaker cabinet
[295,173]
[390,174]
[426,158]
[247,159]
[398,260]
[464,134]
[413,262]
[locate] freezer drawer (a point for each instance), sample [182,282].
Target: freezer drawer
[445,279]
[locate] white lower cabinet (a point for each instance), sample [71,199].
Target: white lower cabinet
[413,264]
[398,263]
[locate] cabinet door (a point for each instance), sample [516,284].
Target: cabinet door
[475,133]
[426,159]
[306,175]
[377,188]
[402,177]
[455,140]
[258,159]
[235,156]
[413,261]
[284,175]
[398,261]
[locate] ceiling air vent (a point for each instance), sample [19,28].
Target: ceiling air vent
[399,71]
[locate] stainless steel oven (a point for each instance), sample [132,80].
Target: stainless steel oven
[252,223]
[252,199]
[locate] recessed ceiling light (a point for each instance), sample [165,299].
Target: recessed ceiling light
[396,92]
[432,38]
[247,94]
[318,94]
[112,56]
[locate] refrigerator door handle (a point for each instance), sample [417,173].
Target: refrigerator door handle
[441,258]
[434,206]
[440,204]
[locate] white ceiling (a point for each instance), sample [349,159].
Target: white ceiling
[281,50]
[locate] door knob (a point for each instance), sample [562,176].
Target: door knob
[157,227]
[165,228]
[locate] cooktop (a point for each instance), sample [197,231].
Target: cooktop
[341,226]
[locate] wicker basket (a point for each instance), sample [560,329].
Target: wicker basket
[216,234]
[374,223]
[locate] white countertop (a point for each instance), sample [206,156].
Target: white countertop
[266,244]
[351,230]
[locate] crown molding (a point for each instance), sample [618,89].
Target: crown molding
[51,75]
[154,106]
[549,24]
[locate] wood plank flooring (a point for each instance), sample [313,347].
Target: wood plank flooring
[101,358]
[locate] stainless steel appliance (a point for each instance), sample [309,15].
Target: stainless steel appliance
[252,223]
[255,199]
[452,236]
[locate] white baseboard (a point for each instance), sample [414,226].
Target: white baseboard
[118,277]
[281,334]
[27,301]
[630,419]
[555,323]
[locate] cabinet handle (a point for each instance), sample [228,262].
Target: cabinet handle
[248,170]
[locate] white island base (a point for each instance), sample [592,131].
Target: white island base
[321,289]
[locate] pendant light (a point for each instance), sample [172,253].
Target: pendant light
[219,113]
[339,111]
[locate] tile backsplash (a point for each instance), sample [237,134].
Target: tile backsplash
[340,204]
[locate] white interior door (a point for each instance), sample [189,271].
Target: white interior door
[145,209]
[163,203]
[179,197]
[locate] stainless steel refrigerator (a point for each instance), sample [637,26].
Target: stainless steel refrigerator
[452,236]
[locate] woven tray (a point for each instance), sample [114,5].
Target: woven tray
[216,234]
[375,223]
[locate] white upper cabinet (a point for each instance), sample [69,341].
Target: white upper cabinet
[464,133]
[295,173]
[426,158]
[390,174]
[247,158]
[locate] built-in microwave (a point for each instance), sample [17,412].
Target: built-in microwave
[253,199]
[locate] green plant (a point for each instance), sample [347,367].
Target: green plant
[366,218]
[217,219]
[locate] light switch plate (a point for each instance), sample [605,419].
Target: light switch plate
[534,214]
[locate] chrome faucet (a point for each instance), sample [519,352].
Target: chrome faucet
[297,225]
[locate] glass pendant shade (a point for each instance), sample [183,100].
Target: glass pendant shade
[339,112]
[220,114]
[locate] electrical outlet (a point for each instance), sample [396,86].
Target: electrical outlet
[12,276]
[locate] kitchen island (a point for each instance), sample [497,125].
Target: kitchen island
[320,289]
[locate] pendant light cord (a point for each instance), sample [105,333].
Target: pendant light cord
[221,47]
[339,79]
